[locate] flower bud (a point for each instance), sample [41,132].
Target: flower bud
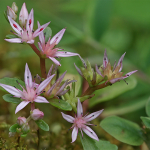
[23,16]
[11,13]
[14,7]
[21,120]
[36,114]
[25,128]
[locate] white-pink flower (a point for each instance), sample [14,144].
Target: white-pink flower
[30,94]
[80,122]
[49,48]
[25,34]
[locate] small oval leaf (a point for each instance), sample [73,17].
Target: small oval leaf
[11,36]
[14,127]
[123,130]
[146,121]
[42,124]
[47,33]
[61,104]
[9,98]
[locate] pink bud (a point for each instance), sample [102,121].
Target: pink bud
[11,13]
[36,114]
[23,16]
[21,120]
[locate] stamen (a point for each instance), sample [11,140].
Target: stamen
[41,29]
[125,81]
[30,22]
[14,25]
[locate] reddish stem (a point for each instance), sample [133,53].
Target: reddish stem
[43,67]
[32,106]
[35,50]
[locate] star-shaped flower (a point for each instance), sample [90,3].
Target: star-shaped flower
[49,48]
[30,94]
[80,122]
[25,34]
[113,73]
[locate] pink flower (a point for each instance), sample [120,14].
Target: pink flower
[21,120]
[30,94]
[11,13]
[36,114]
[80,122]
[49,48]
[113,73]
[25,34]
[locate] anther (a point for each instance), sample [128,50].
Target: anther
[41,29]
[27,77]
[32,31]
[17,81]
[30,21]
[34,76]
[14,25]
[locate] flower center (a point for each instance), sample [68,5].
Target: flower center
[26,36]
[79,122]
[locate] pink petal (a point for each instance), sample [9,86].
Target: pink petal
[50,71]
[12,90]
[30,42]
[14,40]
[21,106]
[57,37]
[41,35]
[115,80]
[15,25]
[40,47]
[120,62]
[129,74]
[65,54]
[30,21]
[40,99]
[44,84]
[55,61]
[90,133]
[40,30]
[79,109]
[11,13]
[68,117]
[27,76]
[105,59]
[79,71]
[23,16]
[74,134]
[98,71]
[93,115]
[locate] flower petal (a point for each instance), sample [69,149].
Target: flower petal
[11,13]
[65,54]
[74,134]
[41,35]
[30,21]
[15,25]
[40,30]
[90,133]
[44,84]
[27,76]
[57,37]
[98,71]
[120,62]
[55,61]
[79,71]
[14,40]
[21,106]
[105,59]
[12,90]
[68,117]
[40,99]
[93,115]
[79,109]
[30,42]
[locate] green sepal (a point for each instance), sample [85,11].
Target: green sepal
[11,36]
[14,127]
[42,124]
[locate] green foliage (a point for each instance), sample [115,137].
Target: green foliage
[112,91]
[11,36]
[42,124]
[11,99]
[47,33]
[61,104]
[91,144]
[14,127]
[146,121]
[123,130]
[11,82]
[148,107]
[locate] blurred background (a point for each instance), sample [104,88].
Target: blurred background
[91,27]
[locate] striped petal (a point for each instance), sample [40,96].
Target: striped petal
[74,134]
[55,61]
[21,106]
[14,40]
[68,117]
[27,76]
[79,109]
[40,99]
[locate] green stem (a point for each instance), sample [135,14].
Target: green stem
[43,67]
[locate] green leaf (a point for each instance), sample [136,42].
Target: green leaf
[91,144]
[101,17]
[113,91]
[23,135]
[88,143]
[148,107]
[42,124]
[105,145]
[47,33]
[11,36]
[11,99]
[61,104]
[123,130]
[146,121]
[14,127]
[11,82]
